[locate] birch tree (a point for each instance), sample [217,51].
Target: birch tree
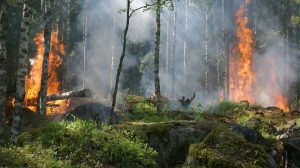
[3,66]
[21,73]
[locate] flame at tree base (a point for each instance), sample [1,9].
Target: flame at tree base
[242,78]
[33,79]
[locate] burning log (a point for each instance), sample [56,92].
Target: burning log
[84,93]
[87,93]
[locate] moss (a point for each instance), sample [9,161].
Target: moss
[144,130]
[298,122]
[224,148]
[226,106]
[88,144]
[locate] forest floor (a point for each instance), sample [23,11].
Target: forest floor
[227,135]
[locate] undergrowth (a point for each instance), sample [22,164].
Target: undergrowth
[78,144]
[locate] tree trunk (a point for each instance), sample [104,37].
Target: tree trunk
[156,58]
[185,42]
[120,63]
[167,46]
[47,38]
[84,93]
[21,73]
[255,18]
[218,58]
[223,54]
[84,43]
[206,52]
[3,66]
[112,67]
[174,50]
[65,82]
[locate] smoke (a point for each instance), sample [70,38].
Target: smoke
[100,38]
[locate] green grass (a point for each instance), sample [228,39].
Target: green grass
[225,106]
[80,144]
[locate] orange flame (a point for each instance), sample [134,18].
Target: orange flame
[241,73]
[243,85]
[33,79]
[278,99]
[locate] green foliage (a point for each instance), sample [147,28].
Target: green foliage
[30,156]
[225,106]
[143,109]
[87,144]
[298,122]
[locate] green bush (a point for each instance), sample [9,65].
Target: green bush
[86,144]
[143,109]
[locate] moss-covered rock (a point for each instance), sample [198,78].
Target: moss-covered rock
[171,139]
[224,148]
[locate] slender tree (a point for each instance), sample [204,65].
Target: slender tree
[3,66]
[85,20]
[120,67]
[112,67]
[156,56]
[167,45]
[174,49]
[22,71]
[47,38]
[223,53]
[206,51]
[67,40]
[121,62]
[287,39]
[185,42]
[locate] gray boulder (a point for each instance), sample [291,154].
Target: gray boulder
[249,134]
[292,146]
[90,111]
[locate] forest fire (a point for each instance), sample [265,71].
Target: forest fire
[241,73]
[243,80]
[33,79]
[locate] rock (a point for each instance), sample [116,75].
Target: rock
[171,139]
[223,148]
[173,147]
[249,134]
[272,162]
[89,111]
[292,146]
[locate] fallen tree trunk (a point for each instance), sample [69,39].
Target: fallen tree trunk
[87,93]
[84,93]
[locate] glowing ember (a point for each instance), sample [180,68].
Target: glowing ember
[33,79]
[243,84]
